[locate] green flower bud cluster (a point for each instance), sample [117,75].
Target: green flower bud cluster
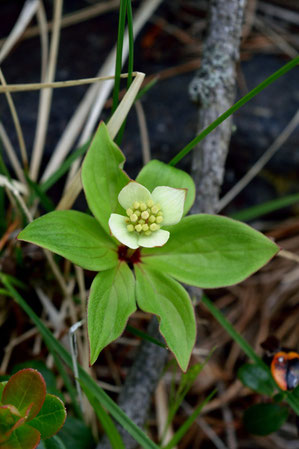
[144,217]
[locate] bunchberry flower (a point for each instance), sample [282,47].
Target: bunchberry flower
[146,213]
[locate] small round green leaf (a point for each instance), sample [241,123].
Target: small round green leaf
[156,173]
[159,294]
[211,251]
[51,417]
[111,302]
[76,236]
[26,390]
[256,378]
[24,437]
[263,419]
[48,375]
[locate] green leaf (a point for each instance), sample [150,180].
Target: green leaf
[51,417]
[103,177]
[256,377]
[111,302]
[211,251]
[76,435]
[24,437]
[52,443]
[263,419]
[159,294]
[25,389]
[156,173]
[107,423]
[75,236]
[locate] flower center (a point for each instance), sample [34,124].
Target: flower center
[144,218]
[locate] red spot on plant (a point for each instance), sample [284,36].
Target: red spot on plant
[128,255]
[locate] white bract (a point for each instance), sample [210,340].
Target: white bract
[146,214]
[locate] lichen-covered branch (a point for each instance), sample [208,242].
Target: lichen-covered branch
[140,384]
[213,88]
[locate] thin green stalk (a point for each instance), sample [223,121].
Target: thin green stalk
[257,211]
[119,51]
[146,88]
[249,351]
[107,423]
[188,423]
[119,136]
[286,68]
[65,166]
[144,336]
[37,191]
[131,43]
[68,384]
[187,380]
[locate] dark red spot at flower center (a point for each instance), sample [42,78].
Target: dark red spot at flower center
[131,256]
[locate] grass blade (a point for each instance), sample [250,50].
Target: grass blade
[64,166]
[119,51]
[188,423]
[259,210]
[106,421]
[284,69]
[119,137]
[36,190]
[144,336]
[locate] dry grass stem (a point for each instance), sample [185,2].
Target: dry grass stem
[289,255]
[29,9]
[288,15]
[51,311]
[46,97]
[16,122]
[11,154]
[162,410]
[202,423]
[276,38]
[42,25]
[57,84]
[13,185]
[73,18]
[259,165]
